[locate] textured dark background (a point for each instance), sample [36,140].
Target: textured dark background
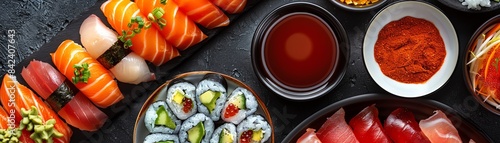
[42,23]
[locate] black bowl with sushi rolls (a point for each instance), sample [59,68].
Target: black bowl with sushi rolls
[203,107]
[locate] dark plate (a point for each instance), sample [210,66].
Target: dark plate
[455,4]
[421,108]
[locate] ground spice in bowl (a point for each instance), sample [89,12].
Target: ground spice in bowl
[410,50]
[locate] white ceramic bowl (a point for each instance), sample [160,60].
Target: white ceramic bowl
[415,9]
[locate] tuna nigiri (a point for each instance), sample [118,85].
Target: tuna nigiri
[25,99]
[178,29]
[103,45]
[367,127]
[231,6]
[100,88]
[148,43]
[402,127]
[309,137]
[71,105]
[439,129]
[204,13]
[4,124]
[335,129]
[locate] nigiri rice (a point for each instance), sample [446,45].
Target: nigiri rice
[476,4]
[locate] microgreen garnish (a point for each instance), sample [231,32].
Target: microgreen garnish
[135,26]
[82,73]
[156,16]
[163,2]
[495,64]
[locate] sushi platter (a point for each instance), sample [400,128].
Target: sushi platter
[189,81]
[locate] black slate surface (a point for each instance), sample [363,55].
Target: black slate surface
[229,53]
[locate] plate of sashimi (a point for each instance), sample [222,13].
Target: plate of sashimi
[203,106]
[385,118]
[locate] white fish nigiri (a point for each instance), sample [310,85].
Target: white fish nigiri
[97,38]
[439,129]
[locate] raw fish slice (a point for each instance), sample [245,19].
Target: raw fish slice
[231,6]
[179,29]
[149,43]
[78,112]
[4,124]
[204,13]
[401,127]
[367,127]
[101,88]
[309,137]
[25,98]
[97,39]
[336,130]
[439,129]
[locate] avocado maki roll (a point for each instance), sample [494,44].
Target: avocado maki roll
[160,119]
[226,133]
[181,98]
[196,129]
[211,95]
[254,129]
[161,138]
[240,104]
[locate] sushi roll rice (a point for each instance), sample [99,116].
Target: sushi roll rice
[161,138]
[254,129]
[239,105]
[160,119]
[226,133]
[211,95]
[196,129]
[181,98]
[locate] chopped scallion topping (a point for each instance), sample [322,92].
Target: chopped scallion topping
[82,73]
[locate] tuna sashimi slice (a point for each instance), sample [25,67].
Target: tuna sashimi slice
[309,137]
[78,112]
[367,127]
[402,127]
[336,130]
[439,129]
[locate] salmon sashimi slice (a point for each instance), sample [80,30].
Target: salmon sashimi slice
[336,130]
[367,127]
[25,98]
[4,124]
[439,129]
[402,127]
[204,13]
[101,88]
[77,111]
[231,6]
[148,43]
[179,29]
[309,137]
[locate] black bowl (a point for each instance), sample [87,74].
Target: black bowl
[421,108]
[479,98]
[342,50]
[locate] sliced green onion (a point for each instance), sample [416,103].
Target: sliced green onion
[164,2]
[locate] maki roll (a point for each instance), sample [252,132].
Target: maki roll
[211,95]
[240,104]
[160,119]
[254,129]
[225,133]
[181,98]
[161,138]
[196,129]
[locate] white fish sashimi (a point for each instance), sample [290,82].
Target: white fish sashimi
[439,129]
[97,38]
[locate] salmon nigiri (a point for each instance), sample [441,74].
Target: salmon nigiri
[335,129]
[26,99]
[4,124]
[439,129]
[148,43]
[178,29]
[68,102]
[100,88]
[103,45]
[231,6]
[367,127]
[204,13]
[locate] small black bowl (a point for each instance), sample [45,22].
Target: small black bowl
[488,104]
[342,51]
